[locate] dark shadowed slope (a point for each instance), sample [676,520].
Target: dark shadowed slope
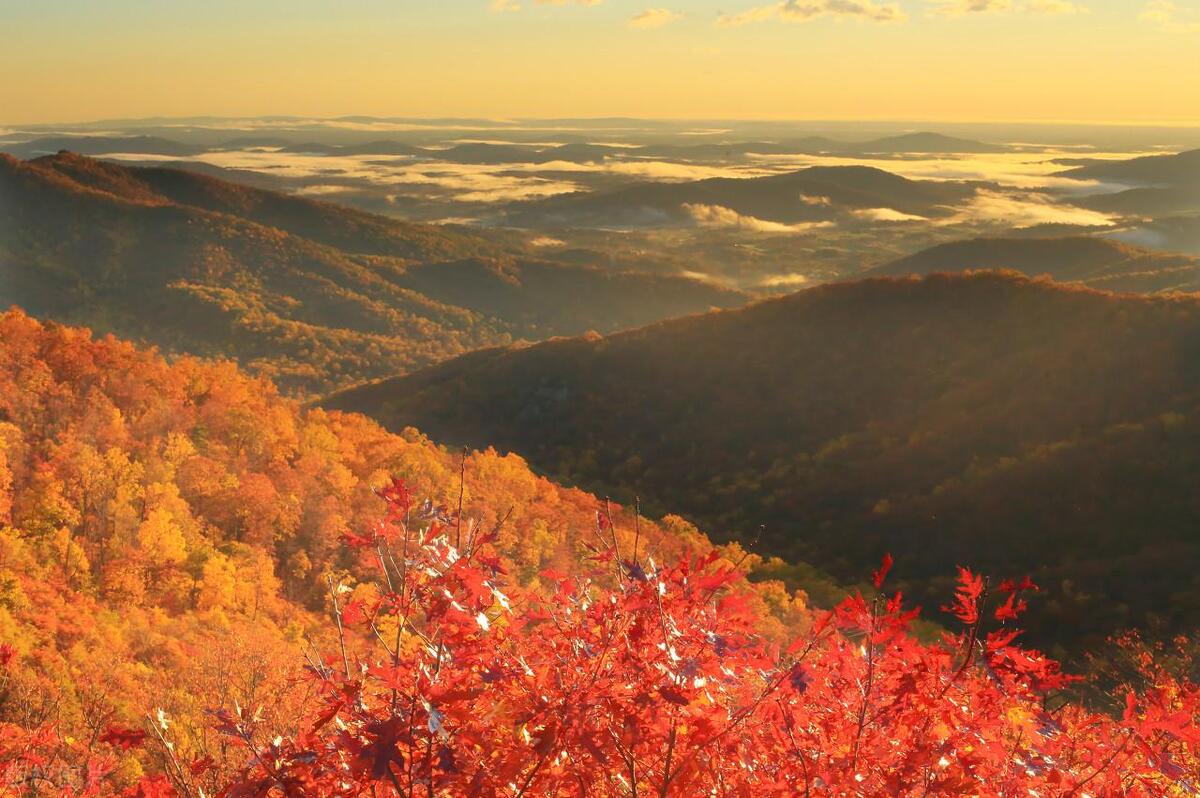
[1164,170]
[315,295]
[1158,185]
[350,230]
[1097,262]
[990,419]
[97,145]
[116,255]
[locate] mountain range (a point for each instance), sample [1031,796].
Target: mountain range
[814,194]
[1097,262]
[1182,168]
[990,419]
[1156,185]
[313,294]
[498,152]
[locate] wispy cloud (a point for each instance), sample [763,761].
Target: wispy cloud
[654,18]
[1169,16]
[500,6]
[1025,210]
[727,218]
[783,280]
[805,10]
[886,215]
[958,8]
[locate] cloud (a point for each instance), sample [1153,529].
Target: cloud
[322,189]
[783,280]
[1170,17]
[886,215]
[499,6]
[1025,210]
[654,18]
[805,10]
[729,219]
[702,277]
[958,8]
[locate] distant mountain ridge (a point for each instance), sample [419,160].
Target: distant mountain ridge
[498,153]
[817,193]
[1181,168]
[1097,262]
[1158,185]
[101,145]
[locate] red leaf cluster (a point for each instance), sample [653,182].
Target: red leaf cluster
[652,681]
[641,679]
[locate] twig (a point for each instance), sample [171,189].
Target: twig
[337,617]
[462,485]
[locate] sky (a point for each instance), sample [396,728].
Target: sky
[1118,61]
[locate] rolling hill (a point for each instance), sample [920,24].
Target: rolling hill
[1097,262]
[987,419]
[1159,185]
[923,142]
[98,145]
[313,294]
[817,193]
[1179,169]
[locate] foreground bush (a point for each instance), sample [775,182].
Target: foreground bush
[641,679]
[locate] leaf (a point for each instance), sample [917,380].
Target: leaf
[799,678]
[673,695]
[878,576]
[156,786]
[123,737]
[354,612]
[966,597]
[1009,611]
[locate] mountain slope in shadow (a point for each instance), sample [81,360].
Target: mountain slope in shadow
[988,419]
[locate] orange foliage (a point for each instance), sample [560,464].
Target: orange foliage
[173,527]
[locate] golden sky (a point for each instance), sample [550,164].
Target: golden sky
[1127,61]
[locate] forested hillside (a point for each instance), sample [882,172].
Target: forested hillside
[208,591]
[1016,424]
[311,294]
[168,533]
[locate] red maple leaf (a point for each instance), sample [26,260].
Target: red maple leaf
[122,737]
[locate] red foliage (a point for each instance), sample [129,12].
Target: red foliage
[643,679]
[121,737]
[639,679]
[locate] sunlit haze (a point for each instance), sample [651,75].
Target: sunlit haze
[1128,61]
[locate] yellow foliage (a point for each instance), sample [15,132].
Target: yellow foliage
[218,584]
[160,539]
